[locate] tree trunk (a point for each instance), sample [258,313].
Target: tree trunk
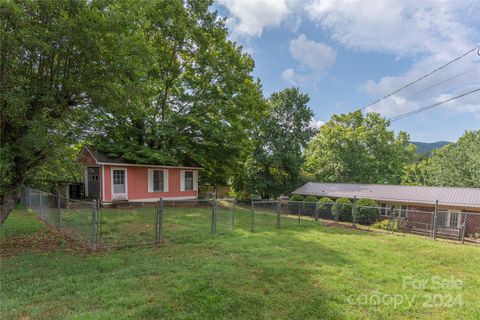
[7,202]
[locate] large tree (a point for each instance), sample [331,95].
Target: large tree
[456,164]
[147,80]
[199,100]
[278,142]
[59,60]
[358,148]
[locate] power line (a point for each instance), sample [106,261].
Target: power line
[430,106]
[443,81]
[419,79]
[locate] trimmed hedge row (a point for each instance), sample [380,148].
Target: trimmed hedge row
[326,208]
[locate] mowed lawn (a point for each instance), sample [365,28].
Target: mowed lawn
[305,271]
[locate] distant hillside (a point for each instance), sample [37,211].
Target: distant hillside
[427,147]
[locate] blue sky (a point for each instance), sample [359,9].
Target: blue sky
[346,54]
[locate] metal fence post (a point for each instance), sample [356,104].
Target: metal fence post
[41,205]
[94,224]
[316,212]
[299,208]
[253,216]
[215,212]
[434,223]
[279,208]
[354,212]
[29,198]
[465,216]
[214,218]
[337,213]
[233,214]
[160,221]
[157,221]
[99,221]
[59,227]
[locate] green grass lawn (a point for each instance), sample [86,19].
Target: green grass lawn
[304,271]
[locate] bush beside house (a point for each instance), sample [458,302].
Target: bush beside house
[294,203]
[309,205]
[344,207]
[367,211]
[325,208]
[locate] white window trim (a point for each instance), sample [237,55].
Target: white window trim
[194,178]
[182,180]
[126,181]
[103,183]
[150,180]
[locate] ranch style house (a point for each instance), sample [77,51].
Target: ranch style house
[412,203]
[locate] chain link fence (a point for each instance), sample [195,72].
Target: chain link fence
[106,226]
[74,219]
[448,224]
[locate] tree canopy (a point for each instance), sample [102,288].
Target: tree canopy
[279,139]
[358,148]
[60,61]
[456,164]
[198,100]
[148,81]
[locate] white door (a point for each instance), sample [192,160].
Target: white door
[119,184]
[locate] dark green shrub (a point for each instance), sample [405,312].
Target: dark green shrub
[309,205]
[367,211]
[310,199]
[344,207]
[295,203]
[324,208]
[296,197]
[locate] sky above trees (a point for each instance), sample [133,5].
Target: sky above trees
[347,54]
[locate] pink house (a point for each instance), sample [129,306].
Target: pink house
[113,179]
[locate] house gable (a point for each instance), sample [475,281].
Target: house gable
[86,158]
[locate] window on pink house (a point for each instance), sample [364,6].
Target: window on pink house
[158,180]
[188,180]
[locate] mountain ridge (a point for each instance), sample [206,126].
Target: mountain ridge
[428,147]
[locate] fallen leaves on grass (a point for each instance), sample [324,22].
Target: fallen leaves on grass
[44,241]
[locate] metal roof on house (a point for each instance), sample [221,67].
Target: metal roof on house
[465,197]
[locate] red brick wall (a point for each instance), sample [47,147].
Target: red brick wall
[420,214]
[473,222]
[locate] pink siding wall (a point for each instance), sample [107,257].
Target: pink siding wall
[137,184]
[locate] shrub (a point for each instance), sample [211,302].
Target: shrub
[296,197]
[310,199]
[294,203]
[344,207]
[381,224]
[309,204]
[367,211]
[325,207]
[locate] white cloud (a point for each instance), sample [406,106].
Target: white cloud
[289,75]
[316,124]
[399,27]
[432,32]
[315,55]
[315,58]
[464,74]
[250,18]
[467,104]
